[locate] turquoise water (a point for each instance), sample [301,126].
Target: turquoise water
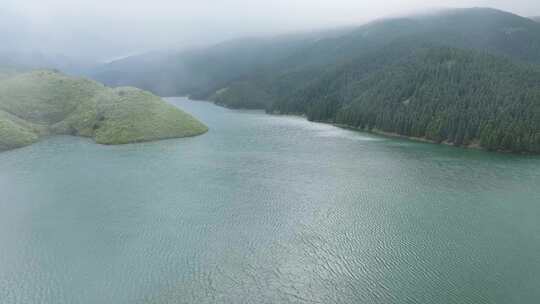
[267,209]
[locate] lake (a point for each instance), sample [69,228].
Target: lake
[267,209]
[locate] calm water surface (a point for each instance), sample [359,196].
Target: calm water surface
[267,209]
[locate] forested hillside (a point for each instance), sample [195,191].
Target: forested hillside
[460,76]
[445,95]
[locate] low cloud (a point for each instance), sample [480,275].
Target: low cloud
[102,29]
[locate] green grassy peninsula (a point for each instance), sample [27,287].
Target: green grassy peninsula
[43,102]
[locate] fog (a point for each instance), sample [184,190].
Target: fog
[105,29]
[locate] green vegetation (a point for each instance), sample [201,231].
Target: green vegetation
[15,132]
[47,102]
[459,97]
[467,77]
[445,95]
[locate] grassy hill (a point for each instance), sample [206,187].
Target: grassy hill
[15,132]
[46,102]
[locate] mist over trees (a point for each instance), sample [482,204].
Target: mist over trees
[467,77]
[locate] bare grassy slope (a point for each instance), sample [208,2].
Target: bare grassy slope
[47,102]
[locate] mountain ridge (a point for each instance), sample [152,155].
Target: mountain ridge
[320,78]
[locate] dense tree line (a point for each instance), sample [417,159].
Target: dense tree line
[447,95]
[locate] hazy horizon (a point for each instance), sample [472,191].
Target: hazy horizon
[103,30]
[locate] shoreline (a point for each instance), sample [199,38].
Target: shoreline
[472,146]
[475,146]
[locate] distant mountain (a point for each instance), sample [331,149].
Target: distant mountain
[26,60]
[461,76]
[196,72]
[537,19]
[46,102]
[201,71]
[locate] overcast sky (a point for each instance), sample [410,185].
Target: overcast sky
[107,28]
